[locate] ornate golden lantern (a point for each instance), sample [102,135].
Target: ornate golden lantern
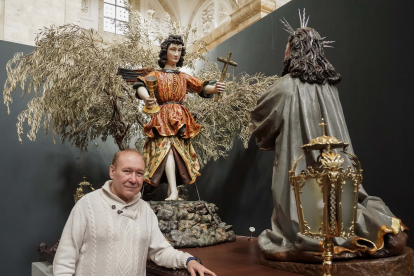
[83,189]
[327,194]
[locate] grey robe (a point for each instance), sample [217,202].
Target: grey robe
[286,117]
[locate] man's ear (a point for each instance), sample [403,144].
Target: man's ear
[111,171]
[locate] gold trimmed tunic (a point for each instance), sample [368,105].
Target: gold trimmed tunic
[172,128]
[173,87]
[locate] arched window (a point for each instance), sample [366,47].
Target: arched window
[114,13]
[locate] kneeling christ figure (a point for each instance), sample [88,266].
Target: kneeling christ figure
[288,116]
[111,231]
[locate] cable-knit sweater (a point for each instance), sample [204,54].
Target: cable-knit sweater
[104,236]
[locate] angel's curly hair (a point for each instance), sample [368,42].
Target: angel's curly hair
[306,59]
[172,39]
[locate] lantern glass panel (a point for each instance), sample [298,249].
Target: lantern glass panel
[312,204]
[348,203]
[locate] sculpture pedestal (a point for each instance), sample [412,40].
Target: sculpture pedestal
[402,265]
[42,269]
[191,223]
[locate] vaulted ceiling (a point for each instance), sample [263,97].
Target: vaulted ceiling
[184,11]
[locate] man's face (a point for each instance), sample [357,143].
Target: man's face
[174,54]
[127,176]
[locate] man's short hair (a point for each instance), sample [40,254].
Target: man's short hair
[119,153]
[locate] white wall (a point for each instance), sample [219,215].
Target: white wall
[21,19]
[280,3]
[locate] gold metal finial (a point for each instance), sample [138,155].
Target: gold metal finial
[324,142]
[82,189]
[323,125]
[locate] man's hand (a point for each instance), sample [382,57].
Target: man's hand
[150,102]
[194,266]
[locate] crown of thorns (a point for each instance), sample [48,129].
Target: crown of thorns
[303,24]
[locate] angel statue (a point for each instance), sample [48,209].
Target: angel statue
[80,94]
[168,146]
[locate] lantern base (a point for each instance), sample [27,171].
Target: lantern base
[402,265]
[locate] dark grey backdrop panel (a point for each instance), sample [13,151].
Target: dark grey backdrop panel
[37,182]
[373,52]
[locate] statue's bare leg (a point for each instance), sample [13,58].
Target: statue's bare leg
[170,172]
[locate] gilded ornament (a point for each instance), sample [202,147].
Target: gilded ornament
[151,83]
[324,141]
[83,188]
[330,176]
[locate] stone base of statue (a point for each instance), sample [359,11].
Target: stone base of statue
[402,265]
[191,223]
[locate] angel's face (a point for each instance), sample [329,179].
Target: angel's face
[174,54]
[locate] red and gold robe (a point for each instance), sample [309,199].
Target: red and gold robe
[172,128]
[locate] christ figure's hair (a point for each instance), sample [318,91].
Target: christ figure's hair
[306,59]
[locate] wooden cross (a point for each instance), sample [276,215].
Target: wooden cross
[323,125]
[226,62]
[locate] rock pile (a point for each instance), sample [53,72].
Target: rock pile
[191,223]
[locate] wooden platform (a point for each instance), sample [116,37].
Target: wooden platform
[402,265]
[241,257]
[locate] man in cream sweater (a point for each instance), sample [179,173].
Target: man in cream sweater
[111,231]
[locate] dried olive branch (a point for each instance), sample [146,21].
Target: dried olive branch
[78,95]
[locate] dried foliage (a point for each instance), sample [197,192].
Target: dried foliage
[72,75]
[142,37]
[228,118]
